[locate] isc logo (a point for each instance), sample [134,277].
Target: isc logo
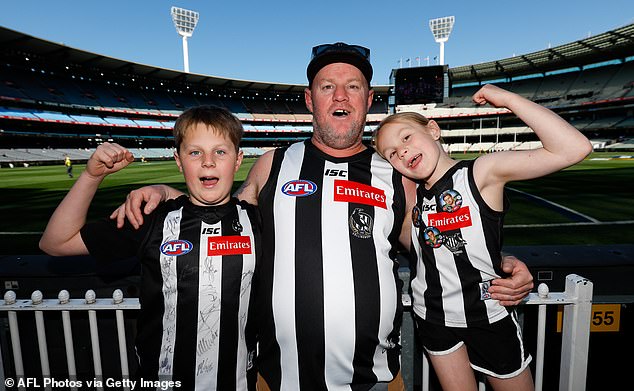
[299,188]
[176,247]
[335,172]
[211,231]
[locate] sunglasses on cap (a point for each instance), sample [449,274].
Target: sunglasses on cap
[340,47]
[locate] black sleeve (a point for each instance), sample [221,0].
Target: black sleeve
[106,242]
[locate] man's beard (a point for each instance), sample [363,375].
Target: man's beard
[337,140]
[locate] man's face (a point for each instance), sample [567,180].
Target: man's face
[448,199]
[339,100]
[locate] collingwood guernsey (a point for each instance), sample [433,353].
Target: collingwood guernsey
[456,247]
[329,296]
[197,268]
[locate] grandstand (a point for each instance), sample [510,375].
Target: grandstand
[57,100]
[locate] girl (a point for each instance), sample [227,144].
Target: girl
[457,237]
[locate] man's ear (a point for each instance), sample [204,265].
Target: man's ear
[370,99]
[308,99]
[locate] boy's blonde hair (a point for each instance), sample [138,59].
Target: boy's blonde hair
[219,119]
[406,116]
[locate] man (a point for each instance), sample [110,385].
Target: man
[333,213]
[69,166]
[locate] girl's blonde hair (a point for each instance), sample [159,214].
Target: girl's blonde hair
[406,116]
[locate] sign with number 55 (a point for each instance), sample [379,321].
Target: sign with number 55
[605,317]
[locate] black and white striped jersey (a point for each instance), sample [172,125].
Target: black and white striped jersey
[457,239]
[197,268]
[329,295]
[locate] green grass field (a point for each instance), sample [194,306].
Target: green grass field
[599,189]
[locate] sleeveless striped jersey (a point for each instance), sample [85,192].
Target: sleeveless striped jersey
[457,239]
[197,266]
[330,293]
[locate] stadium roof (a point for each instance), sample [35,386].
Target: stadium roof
[612,45]
[51,52]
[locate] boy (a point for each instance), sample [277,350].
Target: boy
[457,238]
[198,255]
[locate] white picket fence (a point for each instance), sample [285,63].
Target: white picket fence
[576,299]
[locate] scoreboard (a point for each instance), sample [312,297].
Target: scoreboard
[419,85]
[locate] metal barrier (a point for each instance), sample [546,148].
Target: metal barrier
[577,302]
[64,305]
[576,299]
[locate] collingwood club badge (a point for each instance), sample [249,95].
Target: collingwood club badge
[237,227]
[360,224]
[454,242]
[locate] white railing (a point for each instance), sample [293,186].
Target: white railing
[64,304]
[576,299]
[577,302]
[575,338]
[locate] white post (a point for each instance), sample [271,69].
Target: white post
[70,351]
[425,379]
[94,336]
[442,53]
[575,335]
[36,299]
[185,55]
[543,291]
[117,298]
[64,299]
[17,350]
[9,298]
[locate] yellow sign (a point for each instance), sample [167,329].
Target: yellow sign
[605,317]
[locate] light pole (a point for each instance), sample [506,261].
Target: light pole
[185,23]
[441,28]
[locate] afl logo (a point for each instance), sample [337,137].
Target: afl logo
[299,188]
[174,248]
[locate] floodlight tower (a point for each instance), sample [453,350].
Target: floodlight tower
[185,22]
[441,28]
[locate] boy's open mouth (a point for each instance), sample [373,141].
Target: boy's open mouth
[209,181]
[340,113]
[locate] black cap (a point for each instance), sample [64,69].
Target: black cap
[330,53]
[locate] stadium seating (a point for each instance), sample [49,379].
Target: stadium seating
[624,145]
[49,105]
